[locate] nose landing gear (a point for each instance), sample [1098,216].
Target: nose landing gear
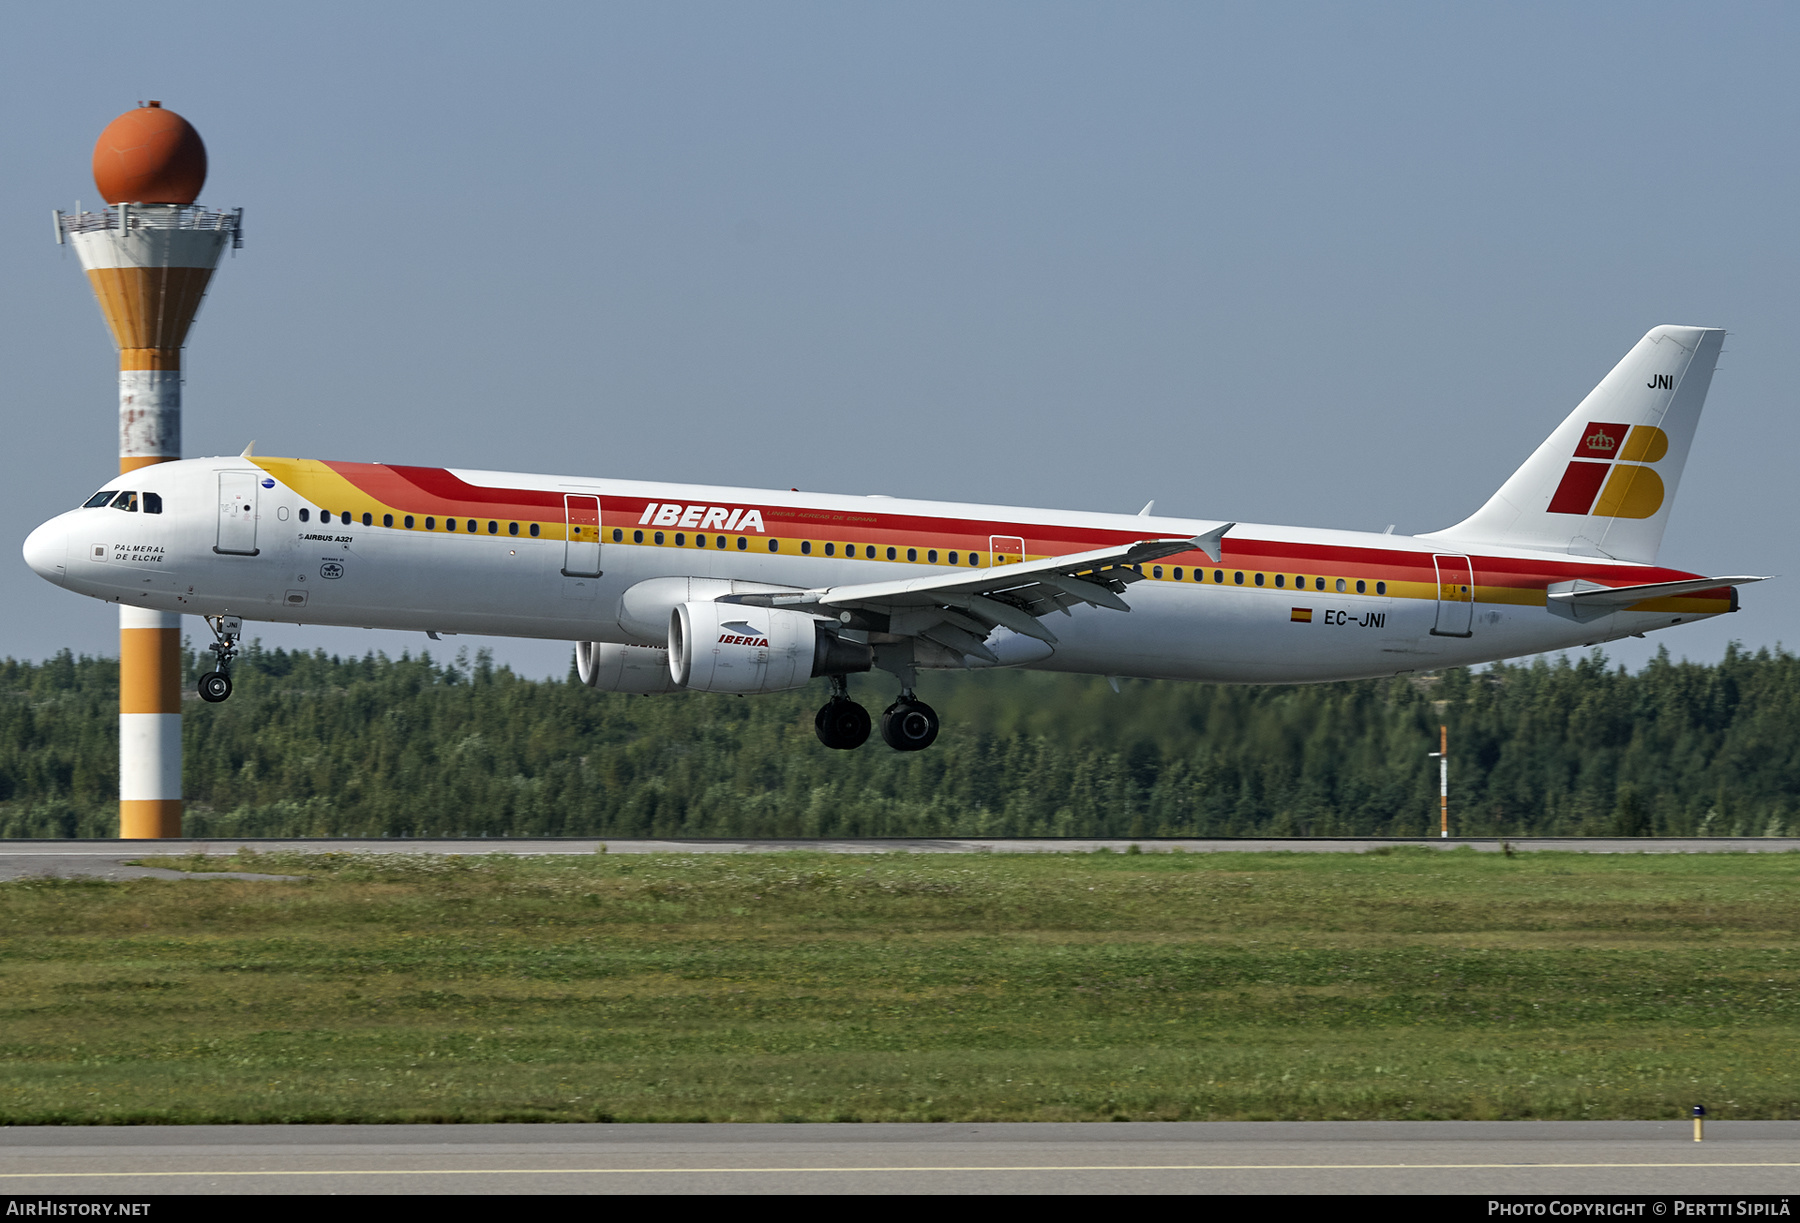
[215,685]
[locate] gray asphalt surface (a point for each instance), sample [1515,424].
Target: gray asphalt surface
[1460,1157]
[110,859]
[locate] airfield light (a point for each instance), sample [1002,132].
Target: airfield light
[149,257]
[1442,755]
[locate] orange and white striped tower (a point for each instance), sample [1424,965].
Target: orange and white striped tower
[149,258]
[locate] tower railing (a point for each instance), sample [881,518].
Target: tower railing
[129,217]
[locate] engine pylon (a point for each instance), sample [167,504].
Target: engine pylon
[149,258]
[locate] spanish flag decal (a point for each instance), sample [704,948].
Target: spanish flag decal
[1301,615]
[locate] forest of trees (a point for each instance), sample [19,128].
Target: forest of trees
[312,745]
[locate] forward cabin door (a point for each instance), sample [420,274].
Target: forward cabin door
[1007,549]
[581,551]
[1455,597]
[237,513]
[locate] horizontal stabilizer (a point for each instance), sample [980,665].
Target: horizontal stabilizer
[1593,595]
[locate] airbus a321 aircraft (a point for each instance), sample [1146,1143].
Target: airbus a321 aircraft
[671,587]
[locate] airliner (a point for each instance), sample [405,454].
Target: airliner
[667,587]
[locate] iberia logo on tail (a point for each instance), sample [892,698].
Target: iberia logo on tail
[1595,484]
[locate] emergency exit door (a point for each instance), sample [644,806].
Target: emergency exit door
[581,551]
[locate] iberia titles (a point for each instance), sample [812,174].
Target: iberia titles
[702,517]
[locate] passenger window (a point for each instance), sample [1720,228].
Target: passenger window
[1340,585]
[830,549]
[471,526]
[1218,575]
[1178,573]
[953,558]
[1361,586]
[912,554]
[387,520]
[774,545]
[743,542]
[618,535]
[305,513]
[1259,579]
[931,556]
[637,537]
[1157,572]
[892,554]
[449,524]
[1238,577]
[368,519]
[493,528]
[430,523]
[806,547]
[512,528]
[1381,588]
[681,539]
[103,497]
[974,559]
[659,538]
[152,503]
[1280,580]
[850,550]
[1319,583]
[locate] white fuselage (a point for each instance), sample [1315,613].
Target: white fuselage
[282,563]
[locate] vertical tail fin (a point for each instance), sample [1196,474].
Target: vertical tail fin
[1602,484]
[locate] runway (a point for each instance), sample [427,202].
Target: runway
[1353,1157]
[111,859]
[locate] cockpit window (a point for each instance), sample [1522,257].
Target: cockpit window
[152,503]
[103,497]
[126,501]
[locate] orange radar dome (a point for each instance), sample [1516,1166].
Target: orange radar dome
[149,156]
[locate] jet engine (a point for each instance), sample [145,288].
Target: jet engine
[623,668]
[728,647]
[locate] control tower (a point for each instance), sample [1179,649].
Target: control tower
[149,257]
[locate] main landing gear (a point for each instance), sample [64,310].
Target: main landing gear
[215,685]
[908,725]
[842,723]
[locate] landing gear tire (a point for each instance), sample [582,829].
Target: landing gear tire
[842,724]
[214,686]
[909,725]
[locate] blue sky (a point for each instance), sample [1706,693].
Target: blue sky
[1332,265]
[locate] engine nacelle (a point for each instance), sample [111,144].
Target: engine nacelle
[728,647]
[623,668]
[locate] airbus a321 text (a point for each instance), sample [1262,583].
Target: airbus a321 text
[669,587]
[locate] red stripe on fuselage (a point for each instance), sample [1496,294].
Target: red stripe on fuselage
[429,490]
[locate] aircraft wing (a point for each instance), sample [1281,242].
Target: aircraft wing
[957,609]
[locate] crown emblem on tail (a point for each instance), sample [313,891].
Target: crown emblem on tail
[1601,441]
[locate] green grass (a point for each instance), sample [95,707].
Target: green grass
[1407,984]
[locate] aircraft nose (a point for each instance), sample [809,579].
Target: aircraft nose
[44,551]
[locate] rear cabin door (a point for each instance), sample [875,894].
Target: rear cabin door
[581,552]
[237,513]
[1455,597]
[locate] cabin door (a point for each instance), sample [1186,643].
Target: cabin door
[237,513]
[1455,597]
